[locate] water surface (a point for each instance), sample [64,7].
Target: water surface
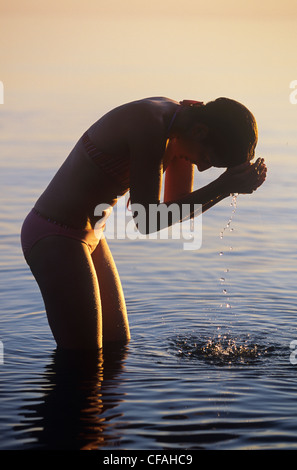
[198,373]
[209,364]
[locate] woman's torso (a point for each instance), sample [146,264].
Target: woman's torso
[83,182]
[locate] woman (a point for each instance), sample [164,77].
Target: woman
[128,149]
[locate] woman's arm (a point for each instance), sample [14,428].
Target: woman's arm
[200,200]
[179,178]
[242,179]
[151,215]
[146,152]
[146,172]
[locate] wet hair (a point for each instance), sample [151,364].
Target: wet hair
[233,133]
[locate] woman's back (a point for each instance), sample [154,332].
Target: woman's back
[97,170]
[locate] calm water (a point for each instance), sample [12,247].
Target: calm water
[205,369]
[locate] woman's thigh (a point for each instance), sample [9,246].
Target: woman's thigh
[64,271]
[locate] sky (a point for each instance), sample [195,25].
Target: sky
[86,57]
[266,9]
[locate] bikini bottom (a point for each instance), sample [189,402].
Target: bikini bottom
[36,227]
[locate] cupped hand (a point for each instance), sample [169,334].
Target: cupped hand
[244,178]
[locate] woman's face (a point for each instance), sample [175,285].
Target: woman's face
[195,151]
[194,147]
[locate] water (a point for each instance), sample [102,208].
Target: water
[210,363]
[196,374]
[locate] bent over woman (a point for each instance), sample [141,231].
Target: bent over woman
[128,149]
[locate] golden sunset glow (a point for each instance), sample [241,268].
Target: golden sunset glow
[210,363]
[116,51]
[87,57]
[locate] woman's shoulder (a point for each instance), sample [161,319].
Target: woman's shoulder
[153,105]
[148,113]
[152,101]
[133,123]
[138,113]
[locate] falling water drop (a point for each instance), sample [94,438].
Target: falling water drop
[221,253]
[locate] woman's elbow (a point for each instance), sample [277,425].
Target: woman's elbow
[156,217]
[143,225]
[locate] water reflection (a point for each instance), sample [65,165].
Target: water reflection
[76,392]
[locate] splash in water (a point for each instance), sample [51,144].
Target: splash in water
[221,349]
